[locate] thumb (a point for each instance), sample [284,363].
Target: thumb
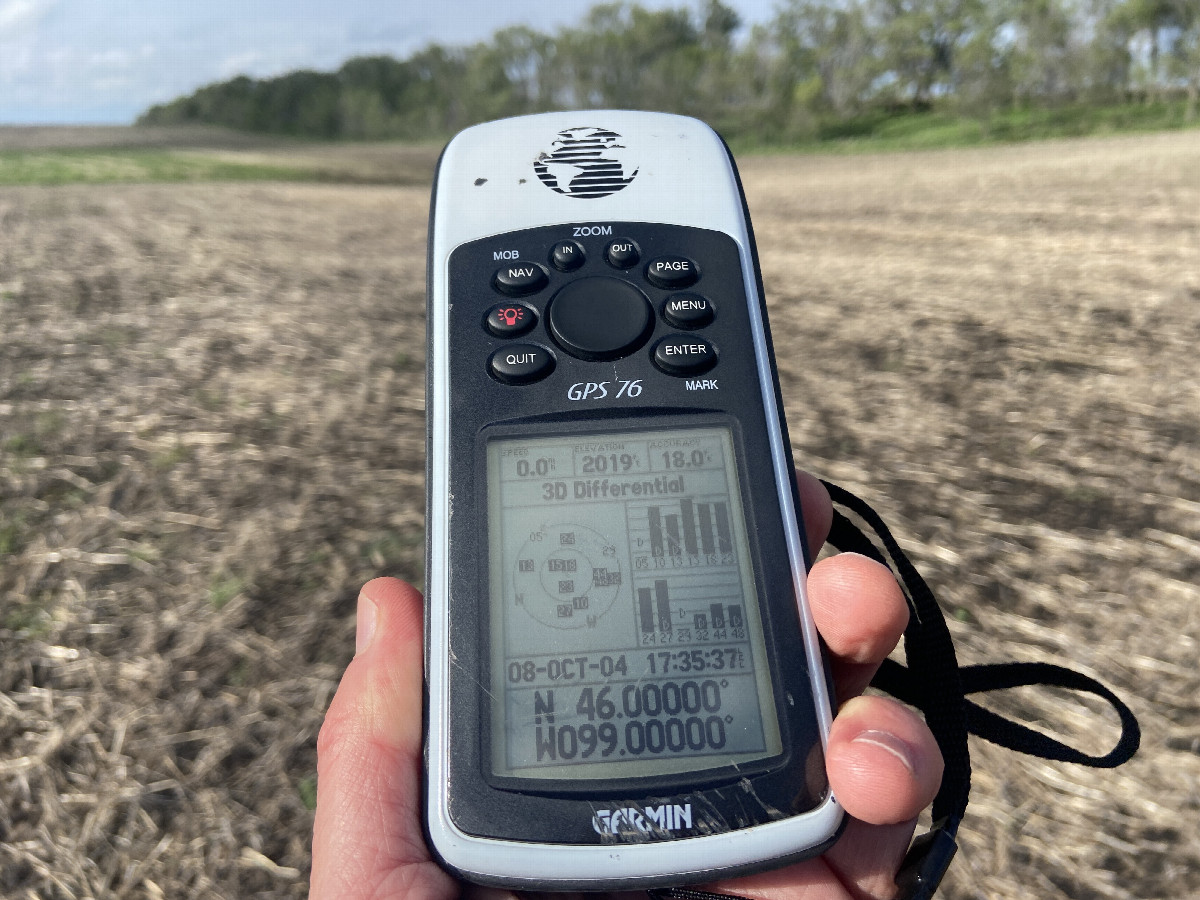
[367,837]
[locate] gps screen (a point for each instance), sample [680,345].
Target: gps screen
[626,637]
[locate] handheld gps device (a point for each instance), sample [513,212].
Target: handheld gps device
[624,684]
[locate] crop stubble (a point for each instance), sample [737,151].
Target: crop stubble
[212,431]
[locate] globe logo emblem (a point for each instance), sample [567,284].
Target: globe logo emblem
[585,163]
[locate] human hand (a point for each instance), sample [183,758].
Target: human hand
[883,764]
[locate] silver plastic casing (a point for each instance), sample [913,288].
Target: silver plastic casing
[486,185]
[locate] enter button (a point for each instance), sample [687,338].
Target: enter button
[683,354]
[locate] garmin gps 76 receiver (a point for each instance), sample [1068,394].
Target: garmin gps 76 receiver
[624,684]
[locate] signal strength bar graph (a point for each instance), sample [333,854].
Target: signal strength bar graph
[695,529]
[655,611]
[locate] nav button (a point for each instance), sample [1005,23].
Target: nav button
[684,354]
[520,279]
[521,363]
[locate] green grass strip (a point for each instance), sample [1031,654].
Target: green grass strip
[51,167]
[941,129]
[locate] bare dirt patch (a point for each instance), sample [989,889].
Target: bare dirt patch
[212,431]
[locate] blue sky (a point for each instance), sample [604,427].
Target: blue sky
[105,61]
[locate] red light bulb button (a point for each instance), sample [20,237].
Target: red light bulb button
[510,319]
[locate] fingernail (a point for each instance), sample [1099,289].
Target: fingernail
[368,614]
[889,742]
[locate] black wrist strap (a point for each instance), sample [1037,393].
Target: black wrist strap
[934,683]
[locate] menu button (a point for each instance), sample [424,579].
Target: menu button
[688,311]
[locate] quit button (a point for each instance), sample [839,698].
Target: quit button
[684,354]
[521,363]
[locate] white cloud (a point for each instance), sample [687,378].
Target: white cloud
[115,58]
[240,63]
[274,60]
[22,15]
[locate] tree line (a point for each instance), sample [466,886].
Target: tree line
[817,65]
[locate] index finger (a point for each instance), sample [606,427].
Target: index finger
[816,509]
[856,603]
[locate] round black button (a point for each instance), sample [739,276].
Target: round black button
[510,319]
[622,253]
[688,311]
[521,363]
[672,272]
[520,279]
[567,256]
[600,318]
[684,354]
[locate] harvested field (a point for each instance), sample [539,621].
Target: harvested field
[212,431]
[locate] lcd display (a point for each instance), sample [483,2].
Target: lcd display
[626,635]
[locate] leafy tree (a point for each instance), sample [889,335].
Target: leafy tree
[432,101]
[1044,56]
[372,96]
[1108,59]
[827,57]
[820,66]
[919,43]
[529,61]
[628,57]
[1154,21]
[1184,58]
[986,66]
